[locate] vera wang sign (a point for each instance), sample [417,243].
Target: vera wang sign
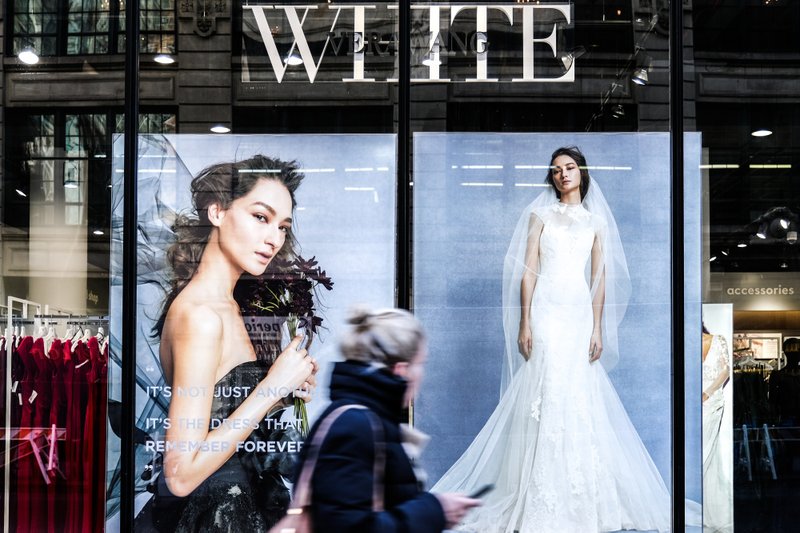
[297,37]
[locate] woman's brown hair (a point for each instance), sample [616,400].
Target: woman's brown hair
[221,184]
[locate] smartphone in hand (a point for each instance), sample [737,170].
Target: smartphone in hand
[482,491]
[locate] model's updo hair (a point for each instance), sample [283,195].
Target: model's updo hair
[385,336]
[575,153]
[221,184]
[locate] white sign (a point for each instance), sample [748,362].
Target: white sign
[270,18]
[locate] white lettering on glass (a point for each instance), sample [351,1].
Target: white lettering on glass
[432,59]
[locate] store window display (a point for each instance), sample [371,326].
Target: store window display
[717,435]
[560,447]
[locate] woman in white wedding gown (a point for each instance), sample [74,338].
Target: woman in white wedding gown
[560,449]
[717,437]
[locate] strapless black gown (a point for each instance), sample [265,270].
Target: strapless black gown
[249,492]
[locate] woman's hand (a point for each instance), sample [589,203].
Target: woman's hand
[595,346]
[525,339]
[455,507]
[292,369]
[306,390]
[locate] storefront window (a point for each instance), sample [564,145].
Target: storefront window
[743,89]
[89,27]
[416,140]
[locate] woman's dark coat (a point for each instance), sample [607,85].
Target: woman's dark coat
[343,477]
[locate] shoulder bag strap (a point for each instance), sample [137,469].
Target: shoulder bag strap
[302,492]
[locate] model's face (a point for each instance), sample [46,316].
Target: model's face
[254,227]
[566,174]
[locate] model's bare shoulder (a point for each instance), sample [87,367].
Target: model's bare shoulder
[190,316]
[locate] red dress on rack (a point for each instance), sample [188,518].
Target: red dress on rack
[17,374]
[94,482]
[25,463]
[57,490]
[77,399]
[42,387]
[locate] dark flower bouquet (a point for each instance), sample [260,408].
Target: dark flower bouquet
[286,292]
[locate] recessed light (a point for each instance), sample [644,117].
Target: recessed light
[293,59]
[28,56]
[98,232]
[164,59]
[219,128]
[742,245]
[713,258]
[761,133]
[21,193]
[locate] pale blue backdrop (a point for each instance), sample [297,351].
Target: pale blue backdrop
[469,189]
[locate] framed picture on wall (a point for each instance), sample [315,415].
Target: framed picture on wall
[765,345]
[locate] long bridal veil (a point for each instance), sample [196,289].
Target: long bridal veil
[614,279]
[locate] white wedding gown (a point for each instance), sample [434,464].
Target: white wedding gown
[717,445]
[559,447]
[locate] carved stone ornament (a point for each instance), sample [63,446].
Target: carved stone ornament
[204,14]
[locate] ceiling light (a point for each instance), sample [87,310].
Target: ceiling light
[742,245]
[784,264]
[763,229]
[19,192]
[568,58]
[617,111]
[724,253]
[640,76]
[429,61]
[293,59]
[164,59]
[784,223]
[761,133]
[28,56]
[713,258]
[219,128]
[98,232]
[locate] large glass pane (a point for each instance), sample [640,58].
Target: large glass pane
[54,289]
[519,289]
[741,103]
[258,90]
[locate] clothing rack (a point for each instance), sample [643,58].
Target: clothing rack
[42,441]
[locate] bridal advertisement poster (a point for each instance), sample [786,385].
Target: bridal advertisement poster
[344,228]
[470,192]
[718,417]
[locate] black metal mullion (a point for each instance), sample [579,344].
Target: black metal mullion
[403,260]
[678,283]
[128,350]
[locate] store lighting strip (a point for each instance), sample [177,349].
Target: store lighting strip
[771,166]
[478,167]
[481,184]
